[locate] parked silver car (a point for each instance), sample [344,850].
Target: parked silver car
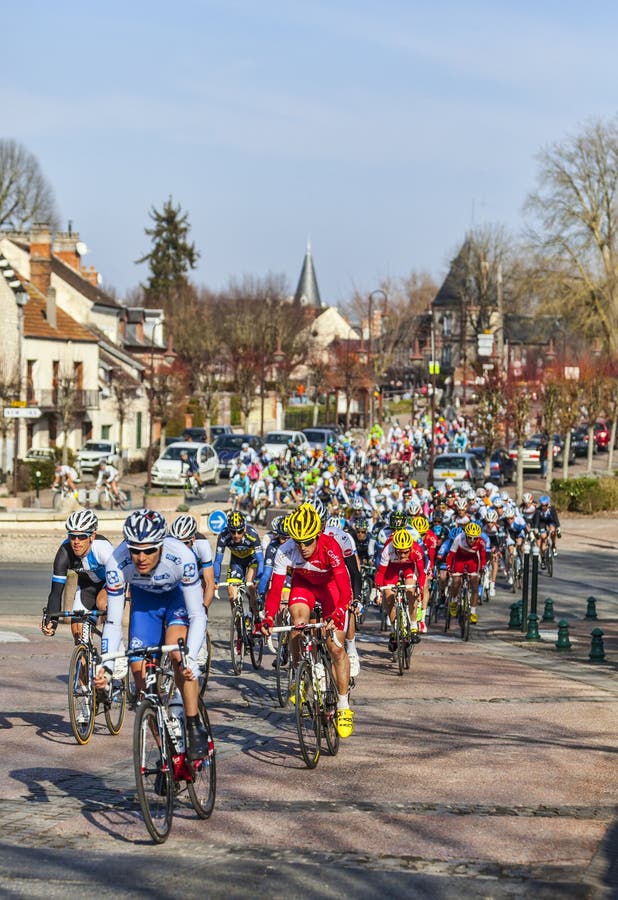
[168,470]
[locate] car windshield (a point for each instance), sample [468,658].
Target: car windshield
[315,435]
[450,462]
[229,442]
[275,437]
[174,452]
[93,445]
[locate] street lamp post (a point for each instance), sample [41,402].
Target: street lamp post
[378,292]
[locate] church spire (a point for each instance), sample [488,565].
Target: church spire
[307,291]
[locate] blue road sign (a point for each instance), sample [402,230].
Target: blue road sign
[217,521]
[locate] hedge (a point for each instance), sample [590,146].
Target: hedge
[585,495]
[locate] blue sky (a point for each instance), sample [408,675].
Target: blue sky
[380,130]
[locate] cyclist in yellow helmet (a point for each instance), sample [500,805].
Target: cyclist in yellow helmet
[401,553]
[319,574]
[468,553]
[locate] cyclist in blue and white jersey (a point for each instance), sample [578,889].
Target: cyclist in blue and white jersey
[166,605]
[86,553]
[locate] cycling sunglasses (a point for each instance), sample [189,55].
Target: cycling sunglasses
[237,530]
[147,551]
[79,535]
[305,543]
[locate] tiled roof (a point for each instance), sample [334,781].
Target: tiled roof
[37,326]
[81,284]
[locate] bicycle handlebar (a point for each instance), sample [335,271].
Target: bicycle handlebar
[278,629]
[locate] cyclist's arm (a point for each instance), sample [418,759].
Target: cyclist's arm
[58,582]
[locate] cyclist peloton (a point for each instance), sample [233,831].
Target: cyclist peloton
[246,557]
[166,604]
[86,553]
[319,574]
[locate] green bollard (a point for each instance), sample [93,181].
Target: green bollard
[533,628]
[597,653]
[515,617]
[591,609]
[563,642]
[548,612]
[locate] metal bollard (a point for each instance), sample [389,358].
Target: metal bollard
[548,612]
[524,587]
[515,617]
[597,652]
[591,608]
[533,628]
[563,642]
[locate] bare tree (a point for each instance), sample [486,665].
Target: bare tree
[66,407]
[576,208]
[518,401]
[567,416]
[593,397]
[551,404]
[123,393]
[489,413]
[25,195]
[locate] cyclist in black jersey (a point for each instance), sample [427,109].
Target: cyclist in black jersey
[86,553]
[246,556]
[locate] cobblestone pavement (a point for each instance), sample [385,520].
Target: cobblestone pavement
[486,771]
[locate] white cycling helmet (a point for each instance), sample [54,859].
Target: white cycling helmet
[82,521]
[183,527]
[491,515]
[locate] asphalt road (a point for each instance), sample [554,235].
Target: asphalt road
[487,771]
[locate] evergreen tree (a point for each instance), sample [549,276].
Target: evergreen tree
[171,257]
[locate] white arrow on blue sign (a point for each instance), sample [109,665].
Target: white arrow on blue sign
[217,521]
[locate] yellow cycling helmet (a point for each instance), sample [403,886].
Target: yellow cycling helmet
[421,523]
[472,529]
[236,521]
[402,539]
[304,524]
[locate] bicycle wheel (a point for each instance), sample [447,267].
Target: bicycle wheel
[115,705]
[464,615]
[447,612]
[329,710]
[58,500]
[205,667]
[283,669]
[153,778]
[105,500]
[122,500]
[256,647]
[203,788]
[307,715]
[237,644]
[549,560]
[401,639]
[408,643]
[82,697]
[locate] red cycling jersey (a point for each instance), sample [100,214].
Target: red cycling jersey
[465,557]
[391,565]
[324,577]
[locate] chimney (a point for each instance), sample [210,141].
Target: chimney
[66,244]
[51,307]
[40,257]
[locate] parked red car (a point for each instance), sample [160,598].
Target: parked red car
[601,435]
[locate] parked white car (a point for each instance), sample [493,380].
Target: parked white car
[276,443]
[168,470]
[93,452]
